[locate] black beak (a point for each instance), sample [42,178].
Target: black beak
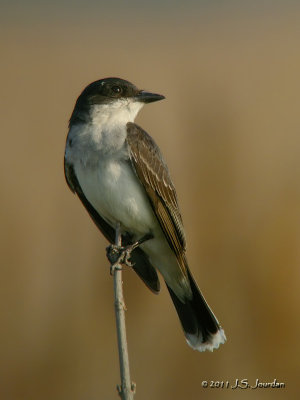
[147,97]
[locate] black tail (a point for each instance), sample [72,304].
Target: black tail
[201,328]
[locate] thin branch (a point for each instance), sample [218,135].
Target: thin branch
[127,388]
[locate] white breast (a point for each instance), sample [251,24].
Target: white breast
[115,192]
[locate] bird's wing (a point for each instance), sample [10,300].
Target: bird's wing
[142,265]
[153,173]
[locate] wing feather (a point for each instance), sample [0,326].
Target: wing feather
[154,175]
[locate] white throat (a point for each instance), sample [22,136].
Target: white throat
[106,133]
[115,114]
[104,136]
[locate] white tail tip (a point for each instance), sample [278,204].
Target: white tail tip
[213,342]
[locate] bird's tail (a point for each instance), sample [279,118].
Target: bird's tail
[201,327]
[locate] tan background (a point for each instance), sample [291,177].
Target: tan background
[230,131]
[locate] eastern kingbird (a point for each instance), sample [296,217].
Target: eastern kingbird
[120,176]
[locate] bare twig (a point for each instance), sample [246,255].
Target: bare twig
[127,388]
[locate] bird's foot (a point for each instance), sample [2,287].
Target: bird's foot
[113,253]
[118,255]
[121,255]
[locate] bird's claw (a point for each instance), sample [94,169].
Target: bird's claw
[114,267]
[127,255]
[113,253]
[119,255]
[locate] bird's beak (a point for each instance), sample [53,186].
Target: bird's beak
[147,97]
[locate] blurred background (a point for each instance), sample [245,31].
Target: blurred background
[230,132]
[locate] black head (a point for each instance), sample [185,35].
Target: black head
[108,90]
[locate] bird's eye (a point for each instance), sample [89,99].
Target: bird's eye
[116,89]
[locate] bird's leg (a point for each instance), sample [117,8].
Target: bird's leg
[129,249]
[121,255]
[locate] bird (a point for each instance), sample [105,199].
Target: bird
[119,174]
